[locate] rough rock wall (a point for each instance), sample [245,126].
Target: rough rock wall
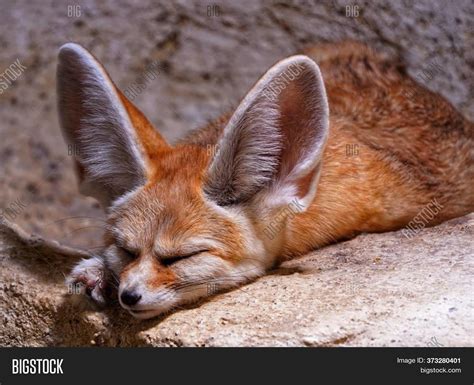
[210,53]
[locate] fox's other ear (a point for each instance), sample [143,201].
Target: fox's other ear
[109,137]
[275,139]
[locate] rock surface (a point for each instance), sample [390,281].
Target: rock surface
[378,289]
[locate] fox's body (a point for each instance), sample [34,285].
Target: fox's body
[214,208]
[387,155]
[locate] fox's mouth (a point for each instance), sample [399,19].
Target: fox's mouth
[145,313]
[139,311]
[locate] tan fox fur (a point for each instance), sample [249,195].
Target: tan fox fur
[314,153]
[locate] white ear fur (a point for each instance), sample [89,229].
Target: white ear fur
[96,124]
[275,139]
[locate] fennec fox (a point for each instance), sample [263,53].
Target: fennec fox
[313,154]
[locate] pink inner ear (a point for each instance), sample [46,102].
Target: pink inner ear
[301,120]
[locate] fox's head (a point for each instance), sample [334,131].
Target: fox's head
[183,221]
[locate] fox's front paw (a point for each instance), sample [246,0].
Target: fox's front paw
[89,277]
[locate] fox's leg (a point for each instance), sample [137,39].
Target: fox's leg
[92,278]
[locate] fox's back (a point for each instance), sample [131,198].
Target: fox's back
[373,100]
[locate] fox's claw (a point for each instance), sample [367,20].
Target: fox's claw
[89,277]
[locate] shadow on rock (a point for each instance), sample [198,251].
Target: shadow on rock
[47,259]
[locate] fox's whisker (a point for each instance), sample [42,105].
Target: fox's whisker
[84,228]
[74,218]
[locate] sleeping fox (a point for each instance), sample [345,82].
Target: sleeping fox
[314,153]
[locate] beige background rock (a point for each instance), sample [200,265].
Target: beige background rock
[377,289]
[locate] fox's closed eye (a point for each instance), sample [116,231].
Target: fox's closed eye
[127,252]
[167,261]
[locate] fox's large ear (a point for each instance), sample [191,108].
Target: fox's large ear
[111,140]
[275,139]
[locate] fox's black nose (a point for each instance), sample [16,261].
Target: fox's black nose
[130,298]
